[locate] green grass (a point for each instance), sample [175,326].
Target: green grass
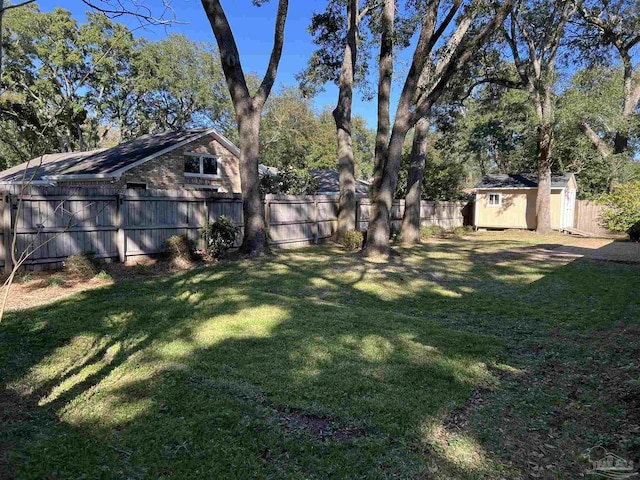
[318,364]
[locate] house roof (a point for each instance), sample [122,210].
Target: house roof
[521,180]
[267,170]
[330,181]
[106,162]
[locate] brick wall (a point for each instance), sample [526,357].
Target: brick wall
[167,171]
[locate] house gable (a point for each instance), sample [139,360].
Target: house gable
[167,170]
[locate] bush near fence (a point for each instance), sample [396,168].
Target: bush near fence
[125,224]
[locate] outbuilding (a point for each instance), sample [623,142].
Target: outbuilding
[509,201]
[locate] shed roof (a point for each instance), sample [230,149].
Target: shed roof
[521,180]
[107,162]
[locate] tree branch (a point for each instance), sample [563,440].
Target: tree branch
[229,55]
[276,53]
[503,82]
[139,11]
[459,59]
[15,5]
[445,23]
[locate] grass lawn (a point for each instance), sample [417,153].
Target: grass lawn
[492,356]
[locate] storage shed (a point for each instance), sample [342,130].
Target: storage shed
[509,201]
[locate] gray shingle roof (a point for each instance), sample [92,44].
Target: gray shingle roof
[101,162]
[330,181]
[521,180]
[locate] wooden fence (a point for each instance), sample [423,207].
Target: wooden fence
[587,218]
[55,222]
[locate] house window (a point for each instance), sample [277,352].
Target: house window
[495,200]
[210,166]
[136,185]
[201,165]
[192,165]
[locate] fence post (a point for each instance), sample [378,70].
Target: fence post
[315,217]
[357,222]
[121,234]
[267,214]
[7,237]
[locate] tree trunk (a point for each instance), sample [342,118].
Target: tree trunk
[247,110]
[621,138]
[254,239]
[599,144]
[384,93]
[342,117]
[543,200]
[347,202]
[620,142]
[410,230]
[379,226]
[1,40]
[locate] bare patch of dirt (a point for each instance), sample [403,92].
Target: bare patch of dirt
[600,405]
[39,288]
[33,289]
[458,420]
[321,427]
[608,251]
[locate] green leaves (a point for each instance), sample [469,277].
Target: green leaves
[179,84]
[67,85]
[623,207]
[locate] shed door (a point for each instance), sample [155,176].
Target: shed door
[570,207]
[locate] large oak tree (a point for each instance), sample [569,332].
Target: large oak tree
[609,31]
[425,83]
[534,33]
[248,108]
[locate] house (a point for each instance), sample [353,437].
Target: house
[329,182]
[193,159]
[509,201]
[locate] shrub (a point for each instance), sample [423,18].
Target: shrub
[27,277]
[55,282]
[219,236]
[622,207]
[352,240]
[461,231]
[432,231]
[181,251]
[82,264]
[103,275]
[142,269]
[634,232]
[289,181]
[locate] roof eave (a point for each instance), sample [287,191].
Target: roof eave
[519,188]
[32,182]
[81,176]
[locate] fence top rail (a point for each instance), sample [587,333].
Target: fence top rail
[40,198]
[304,198]
[401,201]
[84,191]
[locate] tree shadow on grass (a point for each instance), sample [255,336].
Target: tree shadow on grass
[311,364]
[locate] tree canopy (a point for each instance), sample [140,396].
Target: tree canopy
[71,85]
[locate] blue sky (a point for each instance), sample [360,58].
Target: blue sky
[253,30]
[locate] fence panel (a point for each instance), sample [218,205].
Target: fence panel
[587,218]
[448,215]
[56,222]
